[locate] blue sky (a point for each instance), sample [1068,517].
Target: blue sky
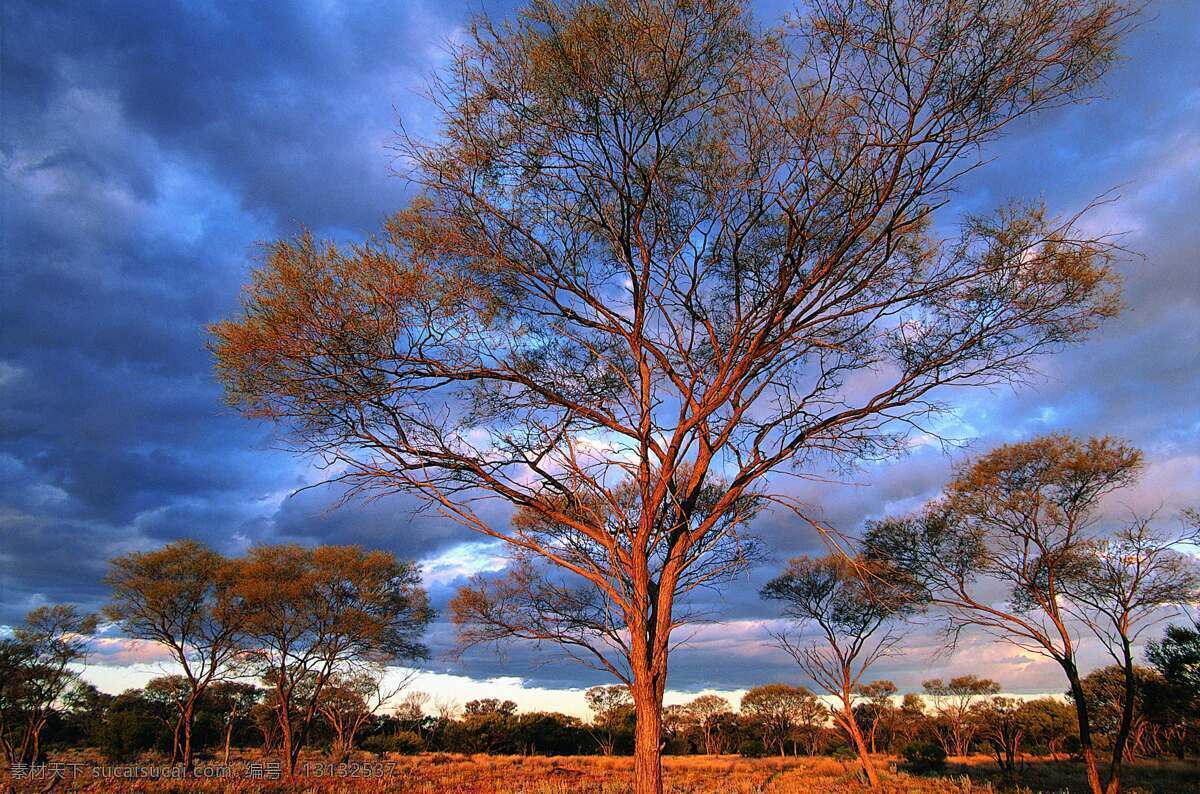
[146,149]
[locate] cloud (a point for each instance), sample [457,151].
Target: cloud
[147,148]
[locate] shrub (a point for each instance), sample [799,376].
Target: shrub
[402,742]
[924,756]
[124,735]
[752,748]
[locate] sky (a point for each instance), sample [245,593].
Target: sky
[148,149]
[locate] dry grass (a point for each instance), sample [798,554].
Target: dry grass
[430,773]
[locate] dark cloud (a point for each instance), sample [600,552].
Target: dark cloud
[147,147]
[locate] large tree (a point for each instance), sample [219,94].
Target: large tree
[657,252]
[179,596]
[316,613]
[1024,518]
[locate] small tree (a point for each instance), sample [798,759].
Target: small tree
[1121,586]
[313,613]
[349,701]
[36,671]
[1001,723]
[610,707]
[235,700]
[1177,657]
[655,253]
[852,604]
[706,713]
[776,709]
[169,695]
[955,715]
[179,597]
[879,710]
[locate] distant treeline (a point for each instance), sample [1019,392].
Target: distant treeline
[956,717]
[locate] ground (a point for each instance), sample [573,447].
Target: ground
[480,774]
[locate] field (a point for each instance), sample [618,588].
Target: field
[480,774]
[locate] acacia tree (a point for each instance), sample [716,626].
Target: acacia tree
[878,709]
[610,708]
[1002,724]
[954,704]
[777,710]
[1119,588]
[168,694]
[37,667]
[312,614]
[659,252]
[707,713]
[235,701]
[852,605]
[1024,518]
[349,701]
[1177,657]
[179,597]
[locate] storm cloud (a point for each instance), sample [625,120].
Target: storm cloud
[147,149]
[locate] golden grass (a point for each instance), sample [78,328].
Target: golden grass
[463,774]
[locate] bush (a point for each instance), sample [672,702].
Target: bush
[124,735]
[402,743]
[752,748]
[924,756]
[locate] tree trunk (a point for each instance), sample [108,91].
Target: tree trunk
[285,743]
[188,717]
[1122,738]
[860,745]
[647,751]
[228,739]
[175,737]
[1085,730]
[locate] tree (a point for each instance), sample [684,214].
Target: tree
[315,613]
[36,671]
[179,597]
[236,701]
[169,694]
[651,250]
[1001,724]
[1023,518]
[1177,658]
[776,709]
[879,710]
[1049,724]
[852,605]
[1121,587]
[910,717]
[349,701]
[488,726]
[954,704]
[1114,712]
[706,713]
[610,707]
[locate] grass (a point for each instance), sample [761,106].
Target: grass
[480,774]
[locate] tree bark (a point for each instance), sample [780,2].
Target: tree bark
[285,742]
[647,752]
[860,745]
[188,717]
[1085,731]
[1114,770]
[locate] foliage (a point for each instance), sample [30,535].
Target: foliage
[923,756]
[652,249]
